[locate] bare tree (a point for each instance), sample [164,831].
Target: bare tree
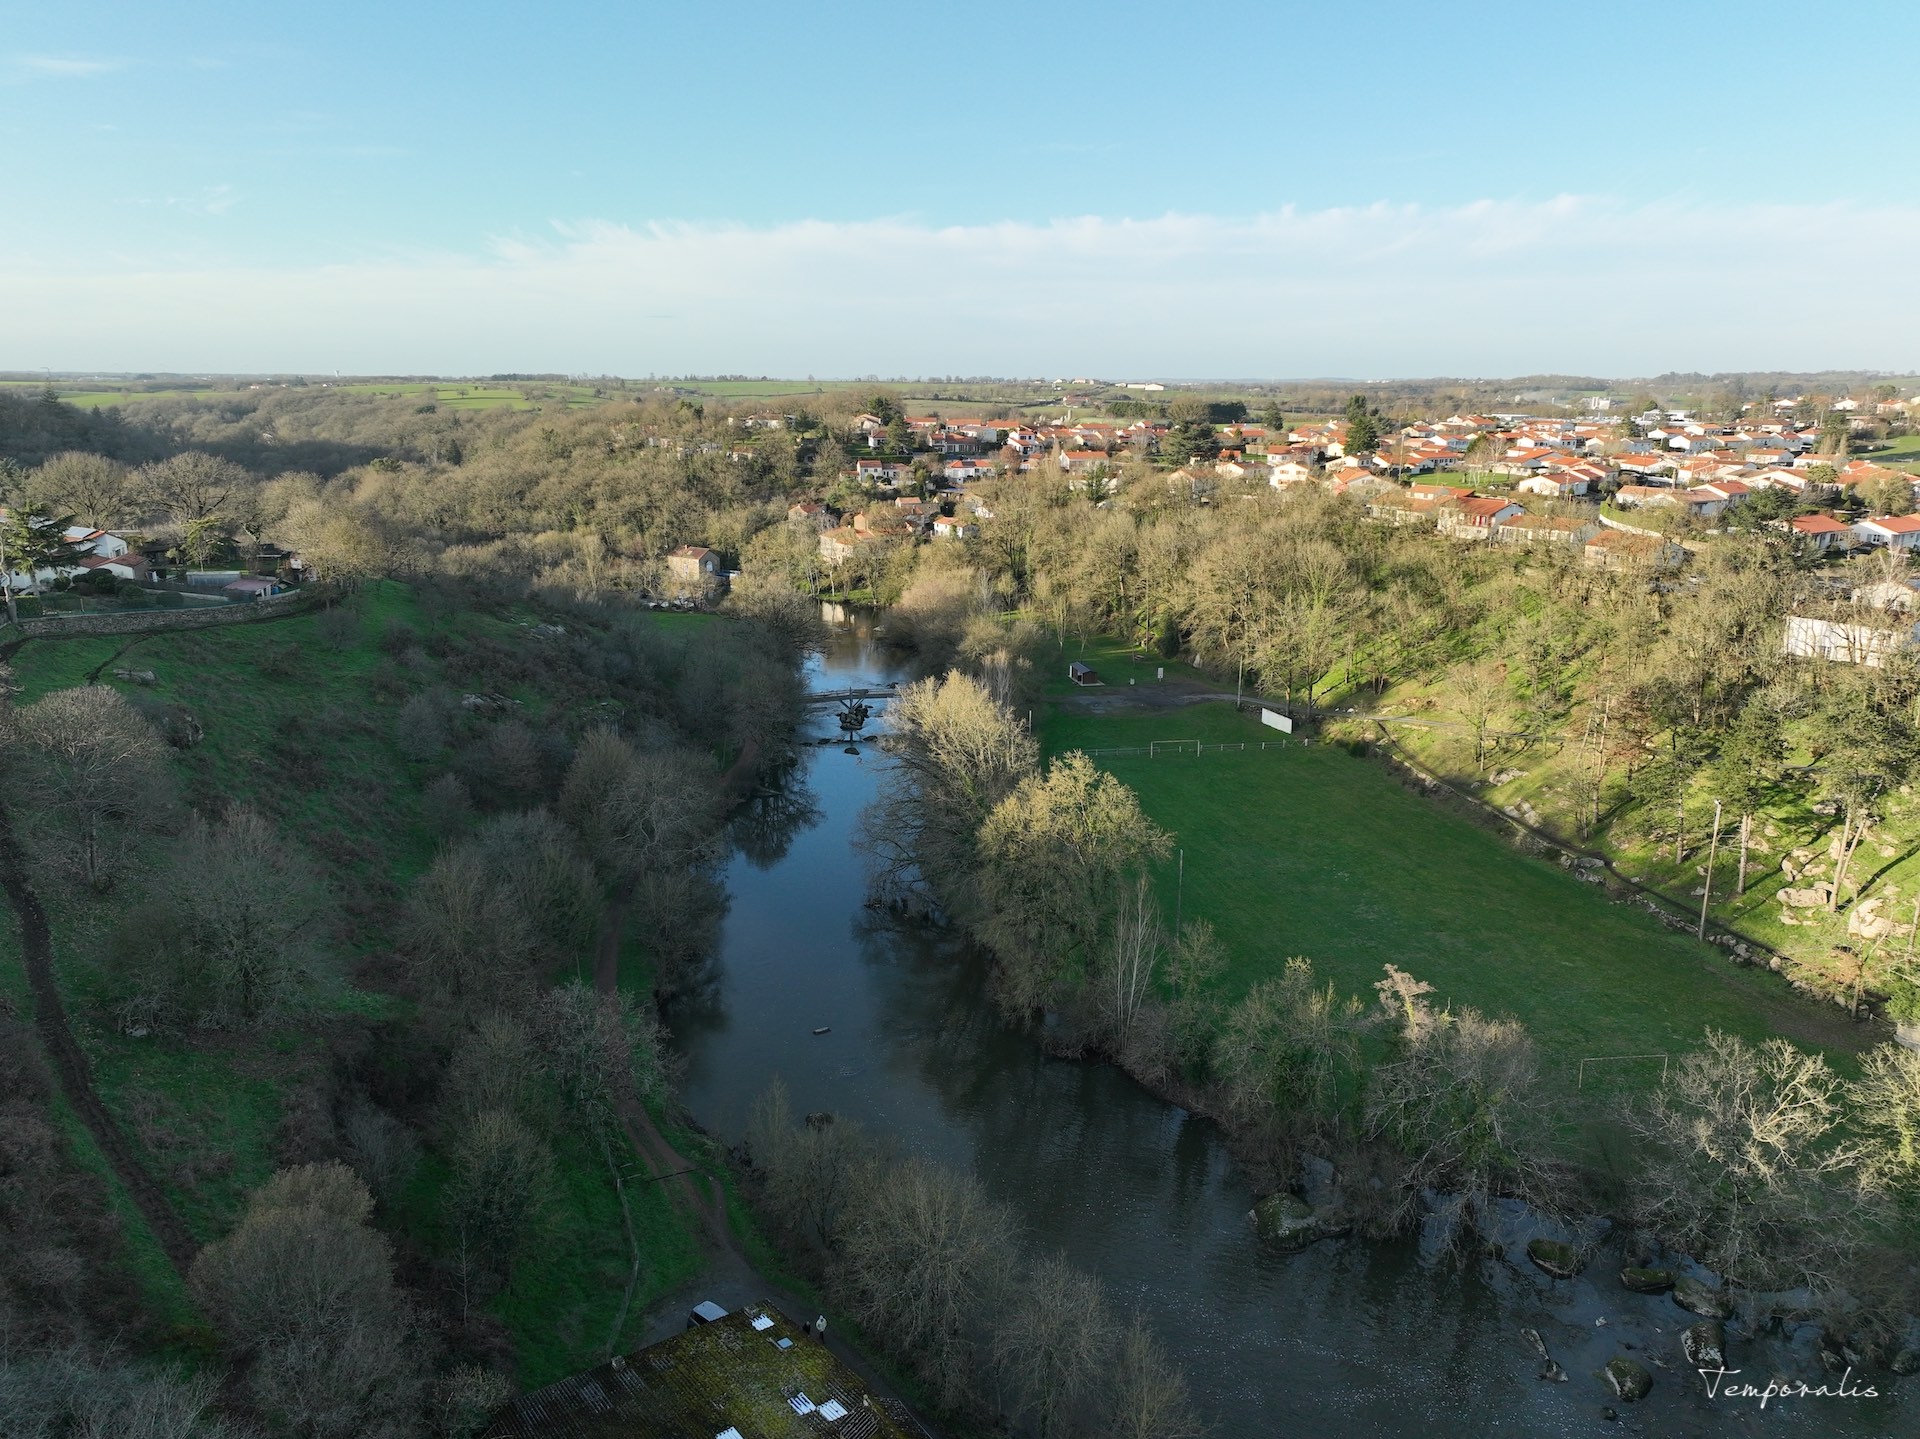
[76,1394]
[304,1289]
[501,1172]
[1884,1110]
[251,913]
[1053,1347]
[1284,1048]
[1744,1148]
[191,485]
[97,489]
[1463,1104]
[814,1173]
[1148,1397]
[925,1265]
[1481,690]
[103,775]
[1138,944]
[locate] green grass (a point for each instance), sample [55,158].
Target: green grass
[1114,660]
[1309,851]
[204,1111]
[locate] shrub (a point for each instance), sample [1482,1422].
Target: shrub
[170,600]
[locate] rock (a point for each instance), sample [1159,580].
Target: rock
[139,677]
[1551,1256]
[1813,897]
[1629,1380]
[1286,1221]
[1697,1297]
[1705,1344]
[1646,1281]
[1906,1362]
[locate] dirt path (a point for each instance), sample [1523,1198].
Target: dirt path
[76,1082]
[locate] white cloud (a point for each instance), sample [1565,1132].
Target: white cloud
[1492,287]
[61,67]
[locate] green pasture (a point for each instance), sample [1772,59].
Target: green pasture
[1307,850]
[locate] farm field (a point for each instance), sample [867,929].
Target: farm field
[1309,851]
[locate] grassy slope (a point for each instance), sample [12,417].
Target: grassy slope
[204,1113]
[1309,851]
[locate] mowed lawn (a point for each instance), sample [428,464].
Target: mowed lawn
[1310,851]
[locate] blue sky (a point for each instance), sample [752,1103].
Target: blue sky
[1370,188]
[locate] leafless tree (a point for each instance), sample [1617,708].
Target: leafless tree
[814,1173]
[1134,960]
[501,1174]
[1148,1397]
[1463,1105]
[1884,1109]
[74,1393]
[251,914]
[1283,1049]
[1744,1154]
[925,1265]
[103,773]
[304,1289]
[1053,1347]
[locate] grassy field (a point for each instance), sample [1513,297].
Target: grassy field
[204,1112]
[1309,851]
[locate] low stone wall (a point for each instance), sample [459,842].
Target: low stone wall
[135,622]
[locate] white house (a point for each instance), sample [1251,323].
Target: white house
[1843,643]
[1900,533]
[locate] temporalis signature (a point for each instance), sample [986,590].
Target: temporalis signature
[1718,1388]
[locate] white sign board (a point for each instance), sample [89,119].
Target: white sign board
[1279,721]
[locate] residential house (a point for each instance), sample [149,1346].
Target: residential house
[810,512]
[1823,532]
[1847,642]
[1547,530]
[840,544]
[1622,549]
[954,527]
[1288,472]
[879,472]
[956,472]
[1899,533]
[1476,517]
[693,567]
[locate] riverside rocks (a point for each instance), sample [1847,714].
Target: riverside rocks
[1697,1297]
[1555,1258]
[1646,1281]
[1629,1380]
[1287,1221]
[1705,1344]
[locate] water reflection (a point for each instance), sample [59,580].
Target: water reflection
[1343,1340]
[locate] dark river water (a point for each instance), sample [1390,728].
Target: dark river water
[1346,1339]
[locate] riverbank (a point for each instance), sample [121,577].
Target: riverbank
[1344,1339]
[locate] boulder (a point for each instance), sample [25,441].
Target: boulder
[1286,1221]
[1813,897]
[1555,1258]
[1646,1281]
[1629,1380]
[1906,1362]
[1705,1344]
[1697,1297]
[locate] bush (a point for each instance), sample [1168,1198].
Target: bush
[170,600]
[30,607]
[1903,1005]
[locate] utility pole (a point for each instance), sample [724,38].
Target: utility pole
[1180,896]
[1713,848]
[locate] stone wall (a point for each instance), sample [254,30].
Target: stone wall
[135,622]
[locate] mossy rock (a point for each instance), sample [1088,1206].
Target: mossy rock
[1285,1221]
[1703,1299]
[1555,1257]
[1705,1344]
[1646,1281]
[1629,1380]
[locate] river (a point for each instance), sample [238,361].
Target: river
[1344,1340]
